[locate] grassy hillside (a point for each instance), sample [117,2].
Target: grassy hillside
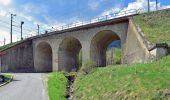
[57,83]
[138,81]
[8,46]
[155,25]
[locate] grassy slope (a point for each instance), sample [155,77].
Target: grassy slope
[142,81]
[9,76]
[155,25]
[8,46]
[57,86]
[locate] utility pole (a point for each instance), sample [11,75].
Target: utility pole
[4,40]
[156,4]
[11,24]
[148,5]
[22,22]
[38,29]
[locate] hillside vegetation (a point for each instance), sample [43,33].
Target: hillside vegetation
[57,83]
[137,81]
[155,25]
[8,46]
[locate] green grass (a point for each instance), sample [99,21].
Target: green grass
[117,56]
[8,46]
[138,81]
[8,76]
[113,56]
[155,25]
[57,83]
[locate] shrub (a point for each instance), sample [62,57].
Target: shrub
[88,67]
[2,78]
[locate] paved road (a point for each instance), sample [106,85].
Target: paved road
[26,86]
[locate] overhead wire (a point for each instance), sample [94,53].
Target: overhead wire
[16,26]
[27,29]
[4,22]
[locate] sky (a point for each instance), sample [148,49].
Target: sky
[53,13]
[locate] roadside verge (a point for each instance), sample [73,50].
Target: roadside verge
[8,81]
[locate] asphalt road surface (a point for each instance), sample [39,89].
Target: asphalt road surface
[26,86]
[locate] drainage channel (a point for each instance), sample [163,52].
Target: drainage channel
[71,79]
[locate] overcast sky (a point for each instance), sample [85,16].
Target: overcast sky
[50,13]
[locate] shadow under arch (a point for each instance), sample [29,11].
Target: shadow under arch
[43,57]
[68,54]
[99,44]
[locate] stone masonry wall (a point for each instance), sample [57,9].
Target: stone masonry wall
[18,58]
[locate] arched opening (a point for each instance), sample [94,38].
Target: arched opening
[68,55]
[113,53]
[43,57]
[99,46]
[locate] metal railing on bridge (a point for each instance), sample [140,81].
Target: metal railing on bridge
[91,21]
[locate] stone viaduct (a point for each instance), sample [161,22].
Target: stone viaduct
[58,51]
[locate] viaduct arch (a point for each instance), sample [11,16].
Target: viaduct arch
[92,41]
[68,54]
[66,50]
[43,57]
[58,50]
[99,44]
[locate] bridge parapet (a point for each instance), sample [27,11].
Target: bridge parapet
[111,16]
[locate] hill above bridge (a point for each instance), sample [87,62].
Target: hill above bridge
[155,25]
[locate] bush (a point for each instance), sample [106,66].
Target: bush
[2,78]
[88,67]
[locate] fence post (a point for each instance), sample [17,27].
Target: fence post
[4,40]
[106,17]
[62,28]
[68,26]
[46,32]
[138,11]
